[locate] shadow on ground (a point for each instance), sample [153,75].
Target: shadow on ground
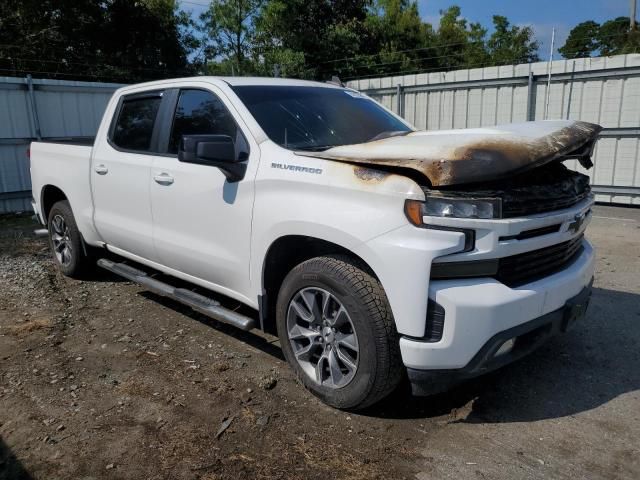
[594,363]
[589,366]
[266,345]
[10,466]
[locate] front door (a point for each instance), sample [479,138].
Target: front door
[201,221]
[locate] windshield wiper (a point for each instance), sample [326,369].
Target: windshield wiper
[389,133]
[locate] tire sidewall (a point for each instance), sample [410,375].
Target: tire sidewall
[63,209]
[310,274]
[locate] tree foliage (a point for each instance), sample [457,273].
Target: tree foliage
[133,40]
[114,39]
[229,34]
[582,40]
[613,37]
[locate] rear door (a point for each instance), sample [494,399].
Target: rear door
[121,174]
[201,221]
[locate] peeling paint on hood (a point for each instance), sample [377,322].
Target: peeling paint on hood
[452,157]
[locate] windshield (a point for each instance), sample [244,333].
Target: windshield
[317,118]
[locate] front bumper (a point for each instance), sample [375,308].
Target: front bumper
[479,308]
[526,338]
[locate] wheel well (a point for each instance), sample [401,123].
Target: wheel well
[50,195]
[283,255]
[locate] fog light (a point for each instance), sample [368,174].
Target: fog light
[506,347]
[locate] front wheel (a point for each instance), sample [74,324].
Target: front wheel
[337,332]
[66,241]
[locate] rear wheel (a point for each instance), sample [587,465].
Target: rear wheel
[337,331]
[66,242]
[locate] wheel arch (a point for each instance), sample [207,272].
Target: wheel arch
[49,196]
[282,256]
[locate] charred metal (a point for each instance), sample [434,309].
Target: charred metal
[547,188]
[369,174]
[478,155]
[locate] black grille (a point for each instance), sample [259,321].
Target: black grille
[545,189]
[519,208]
[435,322]
[530,266]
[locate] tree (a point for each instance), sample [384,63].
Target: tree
[510,44]
[48,36]
[147,39]
[582,40]
[110,40]
[613,37]
[229,29]
[460,44]
[398,38]
[319,30]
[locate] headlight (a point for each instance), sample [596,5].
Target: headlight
[453,208]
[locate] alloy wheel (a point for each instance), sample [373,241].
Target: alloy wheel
[323,338]
[60,237]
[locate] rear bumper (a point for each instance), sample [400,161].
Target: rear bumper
[478,309]
[523,339]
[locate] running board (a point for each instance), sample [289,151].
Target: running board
[199,303]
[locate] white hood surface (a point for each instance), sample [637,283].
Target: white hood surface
[452,157]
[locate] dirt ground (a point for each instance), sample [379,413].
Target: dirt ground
[100,379]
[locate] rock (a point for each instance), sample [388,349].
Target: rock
[79,359]
[262,421]
[110,466]
[223,426]
[268,382]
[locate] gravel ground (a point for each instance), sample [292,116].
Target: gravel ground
[100,379]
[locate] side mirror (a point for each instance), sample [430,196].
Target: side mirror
[215,151]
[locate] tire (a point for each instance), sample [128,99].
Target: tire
[66,243]
[326,367]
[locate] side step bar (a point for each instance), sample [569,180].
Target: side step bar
[199,303]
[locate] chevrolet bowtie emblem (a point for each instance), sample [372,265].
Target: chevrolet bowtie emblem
[578,220]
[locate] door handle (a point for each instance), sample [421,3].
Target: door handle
[101,169]
[163,179]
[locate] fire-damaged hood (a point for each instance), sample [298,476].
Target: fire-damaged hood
[453,157]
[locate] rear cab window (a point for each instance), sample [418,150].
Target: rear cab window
[135,121]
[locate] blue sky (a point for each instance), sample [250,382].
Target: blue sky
[542,15]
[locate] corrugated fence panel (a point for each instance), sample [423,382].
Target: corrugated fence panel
[602,90]
[64,108]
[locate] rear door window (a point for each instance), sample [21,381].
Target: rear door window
[134,128]
[200,113]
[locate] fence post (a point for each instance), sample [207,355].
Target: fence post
[33,108]
[400,99]
[530,94]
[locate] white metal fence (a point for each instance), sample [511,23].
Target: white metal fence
[603,90]
[32,109]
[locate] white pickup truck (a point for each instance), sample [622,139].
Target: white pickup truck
[375,251]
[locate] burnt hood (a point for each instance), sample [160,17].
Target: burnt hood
[453,157]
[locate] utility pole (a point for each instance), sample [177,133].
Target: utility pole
[632,15]
[549,66]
